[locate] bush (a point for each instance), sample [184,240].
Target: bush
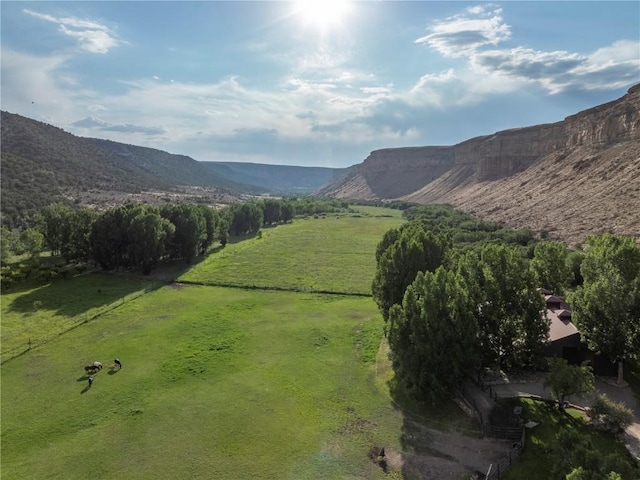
[609,415]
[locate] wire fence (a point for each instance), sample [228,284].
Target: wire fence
[74,322]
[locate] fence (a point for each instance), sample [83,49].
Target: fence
[496,470]
[515,434]
[33,342]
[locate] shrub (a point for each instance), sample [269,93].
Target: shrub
[609,415]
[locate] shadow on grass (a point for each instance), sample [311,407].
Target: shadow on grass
[79,294]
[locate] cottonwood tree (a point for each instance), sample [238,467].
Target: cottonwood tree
[606,308]
[53,219]
[565,380]
[433,333]
[148,233]
[512,325]
[549,266]
[413,250]
[190,230]
[76,234]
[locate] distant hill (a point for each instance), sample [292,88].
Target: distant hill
[283,179]
[571,178]
[41,163]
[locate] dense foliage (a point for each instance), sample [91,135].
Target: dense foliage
[447,282]
[606,307]
[141,236]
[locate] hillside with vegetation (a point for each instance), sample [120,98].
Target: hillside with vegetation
[42,164]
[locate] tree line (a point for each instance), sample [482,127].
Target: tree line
[141,236]
[450,306]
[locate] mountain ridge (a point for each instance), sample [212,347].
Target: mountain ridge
[534,177]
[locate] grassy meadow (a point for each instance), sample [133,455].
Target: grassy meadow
[324,254]
[216,382]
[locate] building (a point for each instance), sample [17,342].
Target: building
[565,341]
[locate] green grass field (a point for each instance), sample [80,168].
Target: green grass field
[217,382]
[325,254]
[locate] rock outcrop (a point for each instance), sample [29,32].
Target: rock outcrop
[570,178]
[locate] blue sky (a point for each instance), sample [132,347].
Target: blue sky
[314,83]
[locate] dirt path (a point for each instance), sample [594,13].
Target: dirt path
[432,454]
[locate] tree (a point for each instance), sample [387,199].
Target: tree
[272,208]
[512,326]
[287,211]
[109,237]
[565,380]
[549,266]
[606,308]
[148,233]
[8,239]
[190,230]
[432,336]
[414,250]
[76,234]
[32,242]
[211,219]
[54,218]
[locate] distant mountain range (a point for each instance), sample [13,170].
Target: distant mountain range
[41,163]
[571,178]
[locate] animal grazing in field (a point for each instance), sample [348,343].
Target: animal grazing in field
[91,380]
[118,363]
[91,368]
[98,365]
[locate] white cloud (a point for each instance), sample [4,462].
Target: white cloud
[473,37]
[462,34]
[91,36]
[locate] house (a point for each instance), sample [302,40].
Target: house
[565,341]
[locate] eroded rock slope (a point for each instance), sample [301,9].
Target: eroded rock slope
[572,178]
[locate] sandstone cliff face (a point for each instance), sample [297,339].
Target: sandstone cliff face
[571,178]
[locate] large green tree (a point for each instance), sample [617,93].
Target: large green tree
[512,325]
[148,233]
[53,220]
[565,380]
[432,335]
[412,250]
[549,266]
[190,231]
[606,308]
[76,234]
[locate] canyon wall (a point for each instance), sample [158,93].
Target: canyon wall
[584,167]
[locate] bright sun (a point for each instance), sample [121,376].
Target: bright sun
[323,14]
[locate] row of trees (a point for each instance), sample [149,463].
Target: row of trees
[449,307]
[141,236]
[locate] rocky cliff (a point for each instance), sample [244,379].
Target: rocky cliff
[570,178]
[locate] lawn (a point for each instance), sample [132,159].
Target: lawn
[216,383]
[37,314]
[323,254]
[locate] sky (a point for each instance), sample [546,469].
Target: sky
[310,83]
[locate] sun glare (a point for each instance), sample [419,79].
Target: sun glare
[322,14]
